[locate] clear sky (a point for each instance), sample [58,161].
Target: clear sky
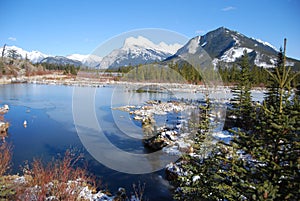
[59,27]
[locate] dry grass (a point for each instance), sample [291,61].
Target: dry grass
[5,157]
[59,178]
[139,191]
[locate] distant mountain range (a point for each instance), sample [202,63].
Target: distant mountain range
[33,56]
[223,45]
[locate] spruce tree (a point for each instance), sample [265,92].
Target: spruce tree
[268,168]
[198,181]
[262,161]
[242,107]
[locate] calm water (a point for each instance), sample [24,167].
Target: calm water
[51,130]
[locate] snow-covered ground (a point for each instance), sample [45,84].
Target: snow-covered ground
[74,187]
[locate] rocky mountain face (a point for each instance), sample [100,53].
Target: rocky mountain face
[225,47]
[89,60]
[59,60]
[137,51]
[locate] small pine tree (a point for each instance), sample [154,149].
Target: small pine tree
[242,106]
[272,84]
[199,182]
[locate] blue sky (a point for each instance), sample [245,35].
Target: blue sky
[66,27]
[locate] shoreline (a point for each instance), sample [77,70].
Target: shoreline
[66,80]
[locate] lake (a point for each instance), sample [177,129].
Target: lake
[50,130]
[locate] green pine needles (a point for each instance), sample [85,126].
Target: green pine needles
[262,160]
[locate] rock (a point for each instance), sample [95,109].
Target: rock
[138,118]
[170,136]
[6,107]
[156,143]
[3,128]
[120,195]
[172,171]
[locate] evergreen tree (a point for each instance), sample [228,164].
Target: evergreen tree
[268,168]
[260,163]
[199,181]
[272,85]
[242,106]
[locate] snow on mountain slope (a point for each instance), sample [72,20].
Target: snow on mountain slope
[139,50]
[33,56]
[60,60]
[78,57]
[265,43]
[142,42]
[89,60]
[37,57]
[234,53]
[225,46]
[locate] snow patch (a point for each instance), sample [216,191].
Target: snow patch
[258,62]
[289,63]
[222,134]
[193,45]
[237,42]
[265,43]
[87,194]
[204,44]
[195,178]
[233,53]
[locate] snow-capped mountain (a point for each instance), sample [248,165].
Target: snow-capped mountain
[89,60]
[225,46]
[136,51]
[60,60]
[38,57]
[33,56]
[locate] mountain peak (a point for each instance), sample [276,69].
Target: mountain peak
[34,56]
[140,41]
[225,46]
[138,50]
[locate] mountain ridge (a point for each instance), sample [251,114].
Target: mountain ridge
[223,45]
[226,47]
[139,50]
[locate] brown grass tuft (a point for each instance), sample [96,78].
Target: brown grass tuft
[5,157]
[59,178]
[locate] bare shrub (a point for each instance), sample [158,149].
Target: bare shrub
[59,179]
[5,157]
[139,191]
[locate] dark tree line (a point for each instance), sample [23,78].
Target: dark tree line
[67,68]
[183,71]
[258,75]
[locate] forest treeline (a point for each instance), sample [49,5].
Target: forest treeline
[177,72]
[184,72]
